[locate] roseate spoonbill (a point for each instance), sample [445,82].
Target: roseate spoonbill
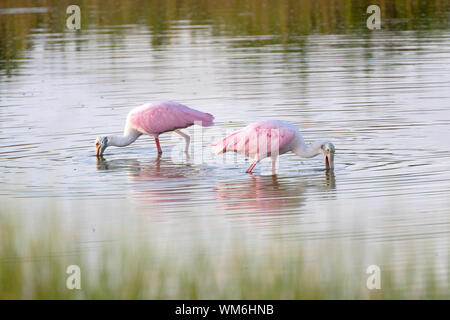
[270,138]
[153,119]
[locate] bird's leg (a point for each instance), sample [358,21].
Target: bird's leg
[186,137]
[158,162]
[157,145]
[249,170]
[274,164]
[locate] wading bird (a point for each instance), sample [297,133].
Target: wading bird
[270,138]
[154,119]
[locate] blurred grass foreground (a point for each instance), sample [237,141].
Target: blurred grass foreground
[34,261]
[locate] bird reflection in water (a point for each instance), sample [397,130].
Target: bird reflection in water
[157,168]
[162,182]
[270,195]
[155,182]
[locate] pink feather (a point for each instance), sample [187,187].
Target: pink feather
[258,140]
[159,117]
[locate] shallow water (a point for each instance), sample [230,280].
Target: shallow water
[382,97]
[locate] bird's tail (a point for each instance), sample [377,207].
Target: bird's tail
[218,147]
[229,143]
[207,120]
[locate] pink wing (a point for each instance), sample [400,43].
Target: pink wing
[258,140]
[159,117]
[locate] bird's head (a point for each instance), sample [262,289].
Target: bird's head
[100,145]
[327,150]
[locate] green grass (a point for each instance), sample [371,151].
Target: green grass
[33,262]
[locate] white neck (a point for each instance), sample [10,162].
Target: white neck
[308,150]
[122,141]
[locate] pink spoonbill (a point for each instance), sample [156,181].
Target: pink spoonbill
[270,138]
[154,119]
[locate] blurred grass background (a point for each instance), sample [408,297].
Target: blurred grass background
[289,20]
